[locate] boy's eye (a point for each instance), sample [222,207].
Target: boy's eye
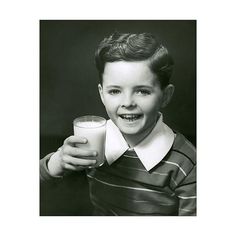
[143,92]
[114,91]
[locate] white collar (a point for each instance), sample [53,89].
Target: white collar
[150,151]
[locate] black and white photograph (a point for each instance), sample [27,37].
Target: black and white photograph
[118,118]
[117,108]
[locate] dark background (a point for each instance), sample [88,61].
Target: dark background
[68,89]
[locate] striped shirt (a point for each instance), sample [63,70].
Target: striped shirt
[126,188]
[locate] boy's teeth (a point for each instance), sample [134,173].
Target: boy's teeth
[133,116]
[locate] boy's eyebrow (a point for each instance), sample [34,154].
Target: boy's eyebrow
[113,86]
[138,86]
[144,86]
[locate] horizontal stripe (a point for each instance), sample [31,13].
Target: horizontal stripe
[125,155]
[132,168]
[139,200]
[158,173]
[174,150]
[173,163]
[147,176]
[187,210]
[161,204]
[190,197]
[129,206]
[125,187]
[155,173]
[134,178]
[181,185]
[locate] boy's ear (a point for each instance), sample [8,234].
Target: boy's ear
[100,89]
[167,95]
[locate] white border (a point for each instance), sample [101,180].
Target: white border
[20,117]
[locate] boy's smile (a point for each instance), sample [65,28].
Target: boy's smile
[132,97]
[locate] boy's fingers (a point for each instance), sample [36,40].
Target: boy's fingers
[79,152]
[77,161]
[74,168]
[75,139]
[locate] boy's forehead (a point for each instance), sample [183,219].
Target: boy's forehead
[126,66]
[129,72]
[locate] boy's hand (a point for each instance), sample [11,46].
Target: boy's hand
[71,157]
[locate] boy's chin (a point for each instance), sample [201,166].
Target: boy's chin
[129,130]
[129,127]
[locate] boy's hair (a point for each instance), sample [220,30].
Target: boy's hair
[135,47]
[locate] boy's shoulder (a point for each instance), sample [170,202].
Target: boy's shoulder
[183,147]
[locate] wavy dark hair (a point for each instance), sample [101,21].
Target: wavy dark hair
[135,47]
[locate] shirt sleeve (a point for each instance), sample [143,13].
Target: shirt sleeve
[44,172]
[186,192]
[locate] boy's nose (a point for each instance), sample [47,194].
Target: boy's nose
[128,101]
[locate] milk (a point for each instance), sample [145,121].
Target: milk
[93,128]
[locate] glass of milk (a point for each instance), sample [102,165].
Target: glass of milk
[93,128]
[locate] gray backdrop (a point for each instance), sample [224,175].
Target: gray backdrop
[68,77]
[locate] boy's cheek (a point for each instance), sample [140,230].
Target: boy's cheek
[110,104]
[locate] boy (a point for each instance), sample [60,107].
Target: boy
[150,169]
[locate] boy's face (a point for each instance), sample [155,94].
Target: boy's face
[132,97]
